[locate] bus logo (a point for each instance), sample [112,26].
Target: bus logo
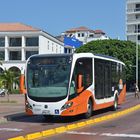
[45,106]
[56,111]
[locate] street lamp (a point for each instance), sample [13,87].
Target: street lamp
[137,56]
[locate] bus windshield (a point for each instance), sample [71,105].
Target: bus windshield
[48,78]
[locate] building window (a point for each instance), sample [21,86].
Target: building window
[83,34]
[2,55]
[60,49]
[15,55]
[70,35]
[32,41]
[138,37]
[65,50]
[2,41]
[138,7]
[137,16]
[48,45]
[52,47]
[15,41]
[91,35]
[56,48]
[29,53]
[78,34]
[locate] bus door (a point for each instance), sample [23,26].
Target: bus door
[107,79]
[102,79]
[99,80]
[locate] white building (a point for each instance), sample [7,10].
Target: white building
[19,41]
[133,20]
[85,35]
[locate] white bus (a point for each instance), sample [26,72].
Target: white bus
[72,84]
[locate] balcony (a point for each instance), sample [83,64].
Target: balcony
[135,10]
[133,1]
[133,31]
[133,21]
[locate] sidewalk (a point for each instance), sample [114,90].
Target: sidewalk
[14,107]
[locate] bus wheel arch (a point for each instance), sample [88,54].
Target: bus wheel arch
[90,103]
[115,104]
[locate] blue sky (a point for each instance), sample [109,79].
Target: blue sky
[56,16]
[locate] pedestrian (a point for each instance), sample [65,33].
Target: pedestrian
[136,91]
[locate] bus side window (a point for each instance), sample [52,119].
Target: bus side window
[84,67]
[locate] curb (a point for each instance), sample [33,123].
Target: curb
[62,129]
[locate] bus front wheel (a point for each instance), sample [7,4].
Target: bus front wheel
[88,114]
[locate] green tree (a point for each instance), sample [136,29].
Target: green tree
[8,77]
[123,50]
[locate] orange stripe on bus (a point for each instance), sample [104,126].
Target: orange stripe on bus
[79,104]
[122,95]
[22,87]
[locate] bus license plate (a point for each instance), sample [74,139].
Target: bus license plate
[46,112]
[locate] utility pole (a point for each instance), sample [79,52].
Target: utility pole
[137,58]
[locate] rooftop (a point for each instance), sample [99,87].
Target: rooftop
[16,27]
[98,32]
[83,28]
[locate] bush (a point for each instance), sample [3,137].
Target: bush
[15,91]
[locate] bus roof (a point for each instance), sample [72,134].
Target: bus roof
[106,56]
[100,56]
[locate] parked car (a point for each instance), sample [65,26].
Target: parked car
[3,92]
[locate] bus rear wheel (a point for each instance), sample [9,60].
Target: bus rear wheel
[115,106]
[88,114]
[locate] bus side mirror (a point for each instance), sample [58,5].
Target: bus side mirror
[22,86]
[80,83]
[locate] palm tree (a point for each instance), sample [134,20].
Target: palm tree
[8,78]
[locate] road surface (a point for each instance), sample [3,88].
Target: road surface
[24,125]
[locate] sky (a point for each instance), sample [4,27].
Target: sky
[57,16]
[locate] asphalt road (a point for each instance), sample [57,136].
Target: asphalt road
[128,124]
[124,128]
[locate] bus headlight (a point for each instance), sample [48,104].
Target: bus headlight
[28,105]
[67,105]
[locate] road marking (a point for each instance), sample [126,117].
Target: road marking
[11,129]
[93,121]
[104,134]
[121,135]
[81,133]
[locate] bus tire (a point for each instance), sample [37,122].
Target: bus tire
[88,114]
[115,105]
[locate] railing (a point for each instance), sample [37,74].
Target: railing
[133,10]
[133,31]
[133,1]
[133,20]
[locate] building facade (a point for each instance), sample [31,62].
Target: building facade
[133,20]
[85,35]
[18,42]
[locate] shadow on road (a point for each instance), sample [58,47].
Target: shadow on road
[22,117]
